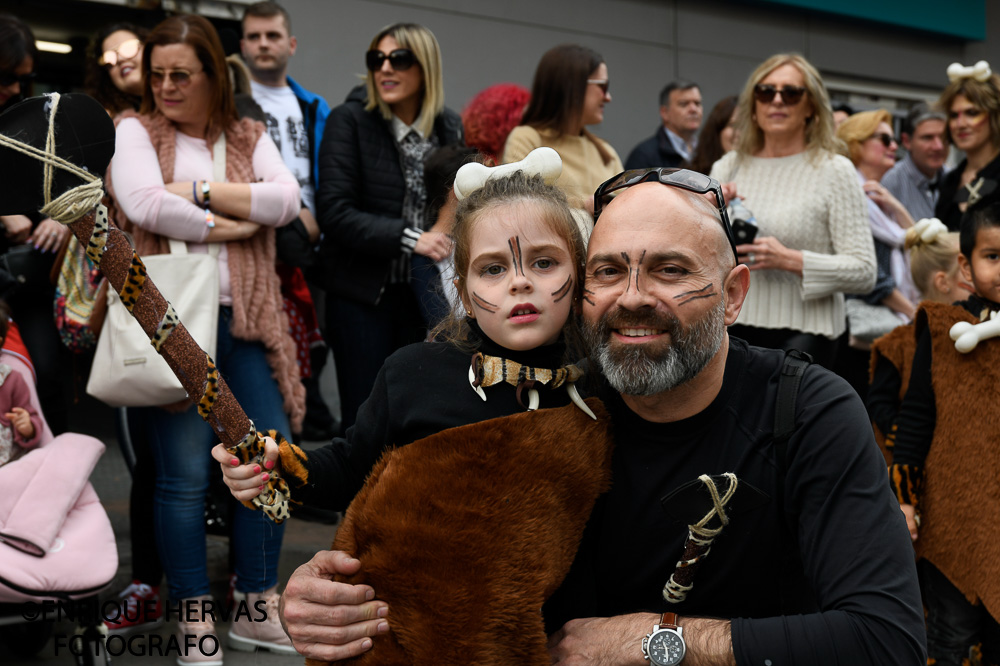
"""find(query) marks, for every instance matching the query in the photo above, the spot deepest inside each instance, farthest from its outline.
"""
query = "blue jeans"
(181, 445)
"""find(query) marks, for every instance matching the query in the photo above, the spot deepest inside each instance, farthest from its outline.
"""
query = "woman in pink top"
(163, 181)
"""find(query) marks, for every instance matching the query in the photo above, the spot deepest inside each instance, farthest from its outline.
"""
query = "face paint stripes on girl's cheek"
(694, 295)
(561, 292)
(515, 254)
(483, 304)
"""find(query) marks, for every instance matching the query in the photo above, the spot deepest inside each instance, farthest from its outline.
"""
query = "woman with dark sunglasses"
(568, 95)
(166, 185)
(872, 147)
(814, 243)
(378, 247)
(18, 57)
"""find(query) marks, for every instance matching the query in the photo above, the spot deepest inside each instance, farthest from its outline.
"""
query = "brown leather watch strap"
(668, 621)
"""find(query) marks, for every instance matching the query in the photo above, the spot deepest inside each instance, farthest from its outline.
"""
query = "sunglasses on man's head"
(179, 77)
(127, 49)
(765, 92)
(685, 179)
(886, 138)
(10, 78)
(400, 60)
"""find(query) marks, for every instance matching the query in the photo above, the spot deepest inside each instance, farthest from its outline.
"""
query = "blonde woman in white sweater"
(813, 243)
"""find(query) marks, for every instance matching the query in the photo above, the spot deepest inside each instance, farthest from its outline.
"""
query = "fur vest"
(256, 288)
(960, 511)
(467, 532)
(897, 347)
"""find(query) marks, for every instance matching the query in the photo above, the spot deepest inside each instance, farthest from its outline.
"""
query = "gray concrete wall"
(645, 43)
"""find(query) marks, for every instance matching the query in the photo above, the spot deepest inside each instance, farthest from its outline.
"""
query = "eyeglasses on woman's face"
(790, 95)
(181, 78)
(400, 59)
(603, 84)
(124, 51)
(10, 78)
(886, 138)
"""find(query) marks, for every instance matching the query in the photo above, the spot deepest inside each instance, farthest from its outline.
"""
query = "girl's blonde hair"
(516, 189)
(819, 128)
(425, 47)
(929, 257)
(860, 127)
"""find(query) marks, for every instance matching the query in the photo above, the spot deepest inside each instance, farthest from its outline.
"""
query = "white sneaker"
(206, 649)
(250, 631)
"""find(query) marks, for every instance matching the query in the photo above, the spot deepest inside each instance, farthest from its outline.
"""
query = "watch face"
(666, 648)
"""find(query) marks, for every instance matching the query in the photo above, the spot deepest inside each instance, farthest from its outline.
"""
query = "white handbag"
(127, 371)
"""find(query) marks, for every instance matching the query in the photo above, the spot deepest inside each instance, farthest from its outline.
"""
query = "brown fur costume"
(960, 503)
(466, 533)
(897, 347)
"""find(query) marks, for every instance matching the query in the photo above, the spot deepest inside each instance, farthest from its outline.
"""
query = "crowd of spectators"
(336, 228)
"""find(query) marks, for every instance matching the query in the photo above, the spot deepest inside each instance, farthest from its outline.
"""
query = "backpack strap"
(792, 371)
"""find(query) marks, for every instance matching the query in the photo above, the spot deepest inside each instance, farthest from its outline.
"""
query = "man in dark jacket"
(674, 142)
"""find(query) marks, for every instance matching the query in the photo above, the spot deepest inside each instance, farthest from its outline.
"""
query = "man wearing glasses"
(813, 562)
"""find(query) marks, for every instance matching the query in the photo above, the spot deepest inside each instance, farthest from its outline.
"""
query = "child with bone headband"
(518, 258)
(933, 258)
(946, 461)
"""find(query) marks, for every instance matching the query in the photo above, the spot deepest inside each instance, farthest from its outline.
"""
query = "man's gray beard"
(639, 370)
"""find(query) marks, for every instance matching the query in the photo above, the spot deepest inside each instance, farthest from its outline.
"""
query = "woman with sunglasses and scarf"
(814, 242)
(164, 183)
(378, 248)
(568, 94)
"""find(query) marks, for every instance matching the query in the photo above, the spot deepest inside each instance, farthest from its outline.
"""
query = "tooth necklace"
(489, 370)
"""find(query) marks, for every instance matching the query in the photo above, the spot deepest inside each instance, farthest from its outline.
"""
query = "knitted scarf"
(256, 288)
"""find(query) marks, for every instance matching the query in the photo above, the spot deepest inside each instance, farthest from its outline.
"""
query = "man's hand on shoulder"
(327, 620)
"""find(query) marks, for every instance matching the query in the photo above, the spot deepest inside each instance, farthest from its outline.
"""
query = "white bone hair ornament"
(980, 71)
(929, 229)
(967, 336)
(543, 161)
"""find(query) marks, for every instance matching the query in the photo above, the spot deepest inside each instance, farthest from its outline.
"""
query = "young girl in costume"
(518, 257)
(946, 461)
(933, 258)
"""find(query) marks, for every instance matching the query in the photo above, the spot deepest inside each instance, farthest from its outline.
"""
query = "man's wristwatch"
(665, 645)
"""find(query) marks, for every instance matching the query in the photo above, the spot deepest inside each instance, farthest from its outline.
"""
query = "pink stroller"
(56, 542)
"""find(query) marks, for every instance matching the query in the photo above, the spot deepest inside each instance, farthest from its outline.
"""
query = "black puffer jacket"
(360, 196)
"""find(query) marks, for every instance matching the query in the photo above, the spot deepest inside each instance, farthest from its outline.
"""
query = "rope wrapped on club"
(111, 252)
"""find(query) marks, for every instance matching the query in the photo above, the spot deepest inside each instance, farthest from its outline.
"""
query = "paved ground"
(112, 481)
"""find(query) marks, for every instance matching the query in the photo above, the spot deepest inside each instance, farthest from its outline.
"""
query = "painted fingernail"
(234, 462)
(256, 469)
(269, 464)
(261, 487)
(383, 627)
(265, 477)
(366, 644)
